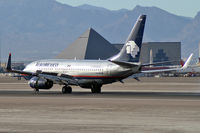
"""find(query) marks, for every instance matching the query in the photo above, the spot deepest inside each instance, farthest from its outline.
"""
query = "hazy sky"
(179, 7)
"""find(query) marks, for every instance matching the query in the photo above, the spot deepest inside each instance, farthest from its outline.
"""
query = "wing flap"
(62, 79)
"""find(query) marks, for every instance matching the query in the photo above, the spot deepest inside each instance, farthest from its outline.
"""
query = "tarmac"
(153, 105)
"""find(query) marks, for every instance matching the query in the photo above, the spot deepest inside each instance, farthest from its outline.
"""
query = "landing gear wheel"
(66, 89)
(96, 89)
(36, 90)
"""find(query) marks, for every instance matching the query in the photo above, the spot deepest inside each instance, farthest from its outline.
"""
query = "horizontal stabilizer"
(125, 64)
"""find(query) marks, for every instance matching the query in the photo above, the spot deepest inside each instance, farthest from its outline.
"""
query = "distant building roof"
(161, 51)
(118, 45)
(90, 45)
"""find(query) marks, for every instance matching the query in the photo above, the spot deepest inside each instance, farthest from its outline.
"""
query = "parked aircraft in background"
(90, 73)
(190, 71)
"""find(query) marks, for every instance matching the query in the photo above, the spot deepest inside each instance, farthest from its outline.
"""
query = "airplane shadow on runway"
(103, 94)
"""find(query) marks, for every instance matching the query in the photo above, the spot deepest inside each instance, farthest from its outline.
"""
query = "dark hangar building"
(91, 45)
(161, 51)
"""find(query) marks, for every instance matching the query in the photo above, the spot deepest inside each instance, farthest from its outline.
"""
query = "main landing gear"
(66, 89)
(96, 88)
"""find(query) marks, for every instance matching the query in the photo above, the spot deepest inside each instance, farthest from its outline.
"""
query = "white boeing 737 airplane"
(90, 73)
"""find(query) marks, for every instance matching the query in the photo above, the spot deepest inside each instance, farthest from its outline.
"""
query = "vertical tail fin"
(8, 67)
(132, 47)
(187, 62)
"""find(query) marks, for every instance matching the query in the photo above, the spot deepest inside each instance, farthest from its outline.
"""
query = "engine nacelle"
(40, 83)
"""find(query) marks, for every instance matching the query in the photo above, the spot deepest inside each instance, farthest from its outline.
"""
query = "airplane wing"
(157, 63)
(172, 69)
(59, 78)
(55, 77)
(125, 64)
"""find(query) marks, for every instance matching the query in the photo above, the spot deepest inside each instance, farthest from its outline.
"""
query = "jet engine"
(40, 83)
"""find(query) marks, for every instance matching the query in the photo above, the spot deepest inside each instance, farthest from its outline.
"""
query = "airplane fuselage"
(86, 72)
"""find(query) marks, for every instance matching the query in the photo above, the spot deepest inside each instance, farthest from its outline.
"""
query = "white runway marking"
(135, 99)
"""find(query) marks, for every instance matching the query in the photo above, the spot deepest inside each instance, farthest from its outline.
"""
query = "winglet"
(187, 61)
(8, 68)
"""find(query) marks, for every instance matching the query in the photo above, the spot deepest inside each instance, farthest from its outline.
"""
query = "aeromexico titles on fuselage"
(46, 64)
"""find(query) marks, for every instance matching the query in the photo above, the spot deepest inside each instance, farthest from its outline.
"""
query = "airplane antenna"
(0, 49)
(199, 52)
(151, 57)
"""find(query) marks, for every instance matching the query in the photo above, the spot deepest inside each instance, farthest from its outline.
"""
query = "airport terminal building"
(91, 45)
(161, 51)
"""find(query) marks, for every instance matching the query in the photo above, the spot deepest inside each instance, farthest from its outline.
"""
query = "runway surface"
(154, 105)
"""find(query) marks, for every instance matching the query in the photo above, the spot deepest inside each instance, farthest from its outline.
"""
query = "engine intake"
(40, 83)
